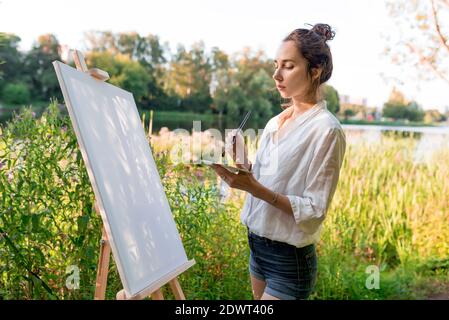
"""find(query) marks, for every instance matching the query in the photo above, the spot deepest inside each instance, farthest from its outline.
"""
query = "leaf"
(82, 223)
(40, 256)
(25, 219)
(35, 219)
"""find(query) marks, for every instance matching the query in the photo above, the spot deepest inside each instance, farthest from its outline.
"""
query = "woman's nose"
(276, 75)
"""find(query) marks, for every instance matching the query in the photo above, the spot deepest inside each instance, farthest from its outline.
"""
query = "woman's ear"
(316, 73)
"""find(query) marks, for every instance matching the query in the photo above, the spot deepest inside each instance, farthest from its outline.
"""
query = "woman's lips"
(280, 87)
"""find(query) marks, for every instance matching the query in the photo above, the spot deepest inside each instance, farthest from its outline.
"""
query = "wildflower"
(10, 176)
(183, 190)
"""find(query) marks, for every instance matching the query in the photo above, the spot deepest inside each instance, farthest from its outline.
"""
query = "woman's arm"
(247, 182)
(274, 198)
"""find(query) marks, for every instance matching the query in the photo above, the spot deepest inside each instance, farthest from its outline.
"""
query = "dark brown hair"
(311, 43)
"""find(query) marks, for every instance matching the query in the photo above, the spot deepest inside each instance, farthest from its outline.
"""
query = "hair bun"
(324, 30)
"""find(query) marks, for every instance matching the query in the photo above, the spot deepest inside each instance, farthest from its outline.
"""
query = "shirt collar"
(274, 126)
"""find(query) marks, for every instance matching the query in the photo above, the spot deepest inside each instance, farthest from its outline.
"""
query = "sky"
(357, 49)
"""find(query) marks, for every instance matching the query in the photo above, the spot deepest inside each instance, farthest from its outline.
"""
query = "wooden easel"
(105, 249)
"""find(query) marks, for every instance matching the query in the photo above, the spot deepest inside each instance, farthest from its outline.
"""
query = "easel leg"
(157, 295)
(177, 290)
(103, 268)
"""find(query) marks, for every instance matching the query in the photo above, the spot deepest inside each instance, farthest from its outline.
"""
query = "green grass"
(191, 116)
(179, 116)
(388, 123)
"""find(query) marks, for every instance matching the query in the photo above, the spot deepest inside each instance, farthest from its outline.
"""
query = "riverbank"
(392, 123)
(185, 119)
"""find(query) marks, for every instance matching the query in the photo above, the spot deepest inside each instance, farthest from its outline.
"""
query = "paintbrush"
(242, 124)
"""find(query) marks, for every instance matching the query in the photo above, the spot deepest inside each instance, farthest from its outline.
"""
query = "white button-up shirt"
(302, 161)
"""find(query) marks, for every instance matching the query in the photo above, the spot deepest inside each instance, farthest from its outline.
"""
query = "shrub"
(16, 93)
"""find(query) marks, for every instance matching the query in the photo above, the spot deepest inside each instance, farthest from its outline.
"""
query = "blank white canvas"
(144, 239)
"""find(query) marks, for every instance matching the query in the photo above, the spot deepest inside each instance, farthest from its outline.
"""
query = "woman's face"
(290, 72)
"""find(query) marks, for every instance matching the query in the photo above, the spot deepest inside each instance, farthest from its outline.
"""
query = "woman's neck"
(301, 105)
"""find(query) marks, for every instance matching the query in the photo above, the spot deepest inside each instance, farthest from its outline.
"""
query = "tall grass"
(387, 211)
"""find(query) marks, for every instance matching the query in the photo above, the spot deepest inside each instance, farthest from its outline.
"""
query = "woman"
(295, 173)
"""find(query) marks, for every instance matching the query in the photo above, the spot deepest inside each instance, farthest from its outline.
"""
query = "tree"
(433, 116)
(38, 70)
(397, 107)
(349, 110)
(394, 110)
(10, 59)
(16, 93)
(220, 77)
(101, 41)
(124, 72)
(415, 112)
(2, 37)
(189, 77)
(348, 113)
(246, 86)
(424, 34)
(397, 96)
(332, 98)
(148, 51)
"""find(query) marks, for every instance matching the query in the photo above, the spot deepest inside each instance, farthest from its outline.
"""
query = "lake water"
(429, 139)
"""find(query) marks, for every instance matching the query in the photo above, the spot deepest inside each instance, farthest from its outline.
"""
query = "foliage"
(10, 58)
(349, 113)
(247, 86)
(147, 51)
(16, 93)
(411, 111)
(332, 98)
(421, 44)
(193, 79)
(38, 69)
(124, 72)
(390, 211)
(46, 215)
(398, 107)
(434, 115)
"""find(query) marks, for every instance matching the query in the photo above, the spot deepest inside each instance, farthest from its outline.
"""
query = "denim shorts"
(289, 272)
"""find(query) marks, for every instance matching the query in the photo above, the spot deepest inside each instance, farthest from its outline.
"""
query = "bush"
(47, 221)
(16, 93)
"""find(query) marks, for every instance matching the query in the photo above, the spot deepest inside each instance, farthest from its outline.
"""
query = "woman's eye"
(289, 67)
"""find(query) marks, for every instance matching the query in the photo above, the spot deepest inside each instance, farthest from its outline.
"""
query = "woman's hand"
(246, 182)
(238, 150)
(243, 180)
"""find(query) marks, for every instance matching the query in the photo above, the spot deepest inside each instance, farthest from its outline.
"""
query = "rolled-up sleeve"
(310, 208)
